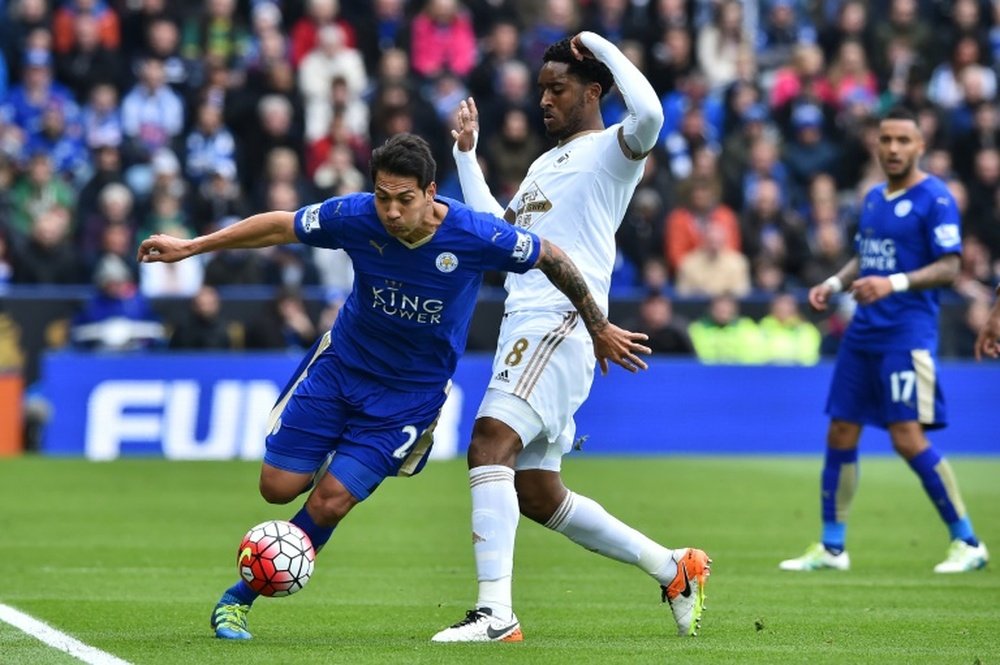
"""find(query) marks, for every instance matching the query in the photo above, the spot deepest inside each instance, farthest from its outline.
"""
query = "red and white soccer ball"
(276, 558)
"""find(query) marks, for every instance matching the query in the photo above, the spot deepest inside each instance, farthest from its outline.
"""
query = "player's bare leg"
(682, 573)
(966, 552)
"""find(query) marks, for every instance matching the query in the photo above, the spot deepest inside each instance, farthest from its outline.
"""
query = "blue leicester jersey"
(903, 232)
(406, 320)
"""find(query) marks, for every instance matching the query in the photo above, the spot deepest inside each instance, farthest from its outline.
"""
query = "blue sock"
(317, 534)
(239, 594)
(930, 467)
(837, 488)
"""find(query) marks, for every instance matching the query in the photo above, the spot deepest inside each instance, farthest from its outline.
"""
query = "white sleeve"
(474, 188)
(645, 114)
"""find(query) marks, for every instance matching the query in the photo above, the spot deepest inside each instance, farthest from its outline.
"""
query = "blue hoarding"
(215, 406)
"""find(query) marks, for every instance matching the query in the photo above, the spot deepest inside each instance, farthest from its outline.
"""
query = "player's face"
(400, 204)
(900, 145)
(563, 100)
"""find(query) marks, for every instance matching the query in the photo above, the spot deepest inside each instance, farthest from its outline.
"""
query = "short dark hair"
(901, 113)
(587, 70)
(405, 155)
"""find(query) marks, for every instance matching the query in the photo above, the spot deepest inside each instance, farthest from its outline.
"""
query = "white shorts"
(542, 373)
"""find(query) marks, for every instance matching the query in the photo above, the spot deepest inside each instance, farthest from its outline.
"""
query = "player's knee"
(493, 442)
(330, 506)
(275, 492)
(843, 435)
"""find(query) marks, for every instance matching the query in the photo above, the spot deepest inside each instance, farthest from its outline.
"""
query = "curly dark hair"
(587, 70)
(405, 155)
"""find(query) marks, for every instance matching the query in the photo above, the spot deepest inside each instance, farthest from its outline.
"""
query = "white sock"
(586, 523)
(494, 522)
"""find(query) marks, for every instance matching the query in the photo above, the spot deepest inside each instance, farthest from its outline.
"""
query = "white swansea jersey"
(574, 196)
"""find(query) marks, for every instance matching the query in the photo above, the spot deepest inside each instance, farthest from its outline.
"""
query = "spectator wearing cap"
(152, 113)
(809, 152)
(208, 143)
(117, 317)
(66, 25)
(88, 61)
(26, 103)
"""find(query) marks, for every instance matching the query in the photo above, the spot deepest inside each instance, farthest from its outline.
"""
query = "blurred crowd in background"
(123, 118)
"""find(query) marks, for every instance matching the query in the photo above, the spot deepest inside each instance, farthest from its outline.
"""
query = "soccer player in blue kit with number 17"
(908, 243)
(372, 387)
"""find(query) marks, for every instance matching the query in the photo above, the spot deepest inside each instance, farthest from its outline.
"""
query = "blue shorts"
(376, 431)
(884, 387)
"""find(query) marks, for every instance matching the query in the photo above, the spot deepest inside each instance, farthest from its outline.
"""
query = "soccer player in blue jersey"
(372, 387)
(908, 245)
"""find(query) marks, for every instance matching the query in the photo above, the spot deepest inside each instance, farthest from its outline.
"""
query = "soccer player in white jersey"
(575, 194)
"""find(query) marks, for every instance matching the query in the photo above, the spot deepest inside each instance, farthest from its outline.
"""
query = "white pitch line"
(56, 639)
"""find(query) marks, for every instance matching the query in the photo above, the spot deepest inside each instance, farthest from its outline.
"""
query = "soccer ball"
(275, 558)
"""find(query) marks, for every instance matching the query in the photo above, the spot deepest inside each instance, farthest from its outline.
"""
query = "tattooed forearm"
(566, 277)
(849, 272)
(940, 273)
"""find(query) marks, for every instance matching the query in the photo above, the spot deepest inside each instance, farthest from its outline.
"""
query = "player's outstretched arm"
(610, 342)
(474, 188)
(942, 272)
(641, 127)
(988, 341)
(263, 230)
(819, 295)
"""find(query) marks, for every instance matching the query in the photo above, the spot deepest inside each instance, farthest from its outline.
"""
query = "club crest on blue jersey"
(903, 208)
(446, 262)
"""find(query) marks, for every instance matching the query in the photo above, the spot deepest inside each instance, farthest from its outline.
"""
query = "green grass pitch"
(130, 557)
